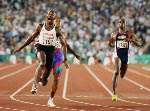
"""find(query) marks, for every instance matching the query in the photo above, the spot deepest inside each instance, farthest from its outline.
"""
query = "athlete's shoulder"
(39, 27)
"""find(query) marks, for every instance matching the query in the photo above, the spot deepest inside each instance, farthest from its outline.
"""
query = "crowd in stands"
(88, 23)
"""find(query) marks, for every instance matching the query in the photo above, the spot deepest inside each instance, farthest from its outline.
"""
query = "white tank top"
(47, 38)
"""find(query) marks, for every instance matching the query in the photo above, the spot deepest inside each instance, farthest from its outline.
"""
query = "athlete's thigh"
(41, 56)
(117, 63)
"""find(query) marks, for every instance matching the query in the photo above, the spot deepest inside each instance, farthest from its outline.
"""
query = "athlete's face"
(122, 24)
(50, 17)
(57, 22)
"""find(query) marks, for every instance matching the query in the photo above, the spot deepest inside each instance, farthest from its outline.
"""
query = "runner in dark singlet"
(121, 38)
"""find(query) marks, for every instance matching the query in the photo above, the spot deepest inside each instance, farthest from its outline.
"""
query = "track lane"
(81, 87)
(106, 77)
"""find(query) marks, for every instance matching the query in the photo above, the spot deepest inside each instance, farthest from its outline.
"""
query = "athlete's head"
(122, 24)
(50, 17)
(57, 22)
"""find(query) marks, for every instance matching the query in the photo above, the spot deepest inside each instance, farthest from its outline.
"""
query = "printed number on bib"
(48, 41)
(58, 45)
(122, 44)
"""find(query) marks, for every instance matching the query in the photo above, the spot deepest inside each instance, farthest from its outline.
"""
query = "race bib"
(50, 41)
(122, 44)
(58, 44)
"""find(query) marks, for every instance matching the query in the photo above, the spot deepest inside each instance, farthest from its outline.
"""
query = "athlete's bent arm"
(135, 40)
(72, 51)
(62, 40)
(69, 48)
(112, 39)
(30, 39)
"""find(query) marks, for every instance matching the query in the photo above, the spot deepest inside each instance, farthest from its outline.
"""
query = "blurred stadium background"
(88, 24)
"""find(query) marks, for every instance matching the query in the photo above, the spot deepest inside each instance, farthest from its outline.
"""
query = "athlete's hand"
(16, 51)
(66, 64)
(36, 44)
(78, 57)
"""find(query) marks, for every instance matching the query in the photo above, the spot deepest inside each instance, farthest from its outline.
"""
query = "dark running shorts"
(49, 52)
(123, 57)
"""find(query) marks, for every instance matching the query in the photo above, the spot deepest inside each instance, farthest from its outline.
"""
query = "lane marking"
(141, 86)
(31, 103)
(65, 90)
(16, 72)
(109, 90)
(138, 73)
(10, 109)
(146, 68)
(5, 67)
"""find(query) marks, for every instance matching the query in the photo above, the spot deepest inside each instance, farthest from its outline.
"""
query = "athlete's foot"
(34, 89)
(50, 103)
(114, 97)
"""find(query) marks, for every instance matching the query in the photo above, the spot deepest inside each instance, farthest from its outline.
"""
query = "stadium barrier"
(134, 59)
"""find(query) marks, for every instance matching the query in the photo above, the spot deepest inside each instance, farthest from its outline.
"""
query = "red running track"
(81, 88)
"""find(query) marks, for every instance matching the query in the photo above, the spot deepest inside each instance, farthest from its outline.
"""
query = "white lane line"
(65, 90)
(15, 109)
(141, 86)
(138, 73)
(146, 68)
(7, 108)
(11, 109)
(16, 72)
(98, 80)
(12, 96)
(109, 90)
(25, 85)
(65, 84)
(5, 67)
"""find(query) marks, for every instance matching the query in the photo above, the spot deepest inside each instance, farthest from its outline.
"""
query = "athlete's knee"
(42, 64)
(116, 72)
(122, 73)
(121, 76)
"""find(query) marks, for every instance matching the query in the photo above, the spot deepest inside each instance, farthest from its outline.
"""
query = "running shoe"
(50, 103)
(114, 97)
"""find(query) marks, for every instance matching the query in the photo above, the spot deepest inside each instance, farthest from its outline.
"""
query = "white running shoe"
(50, 103)
(34, 89)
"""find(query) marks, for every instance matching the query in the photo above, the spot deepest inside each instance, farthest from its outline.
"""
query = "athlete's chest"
(121, 42)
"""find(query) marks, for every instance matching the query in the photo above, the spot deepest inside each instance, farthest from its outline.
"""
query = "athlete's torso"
(47, 38)
(120, 44)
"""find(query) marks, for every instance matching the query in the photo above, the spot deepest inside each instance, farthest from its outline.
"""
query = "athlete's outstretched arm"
(29, 39)
(72, 51)
(62, 40)
(69, 48)
(112, 39)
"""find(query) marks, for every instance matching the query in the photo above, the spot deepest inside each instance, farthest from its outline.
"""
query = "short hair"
(52, 12)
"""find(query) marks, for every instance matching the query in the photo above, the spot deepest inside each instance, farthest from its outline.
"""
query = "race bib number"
(122, 44)
(58, 44)
(47, 41)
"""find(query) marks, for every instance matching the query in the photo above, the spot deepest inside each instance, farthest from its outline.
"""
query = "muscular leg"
(55, 85)
(116, 73)
(123, 69)
(42, 61)
(54, 89)
(46, 74)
